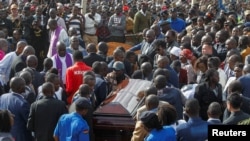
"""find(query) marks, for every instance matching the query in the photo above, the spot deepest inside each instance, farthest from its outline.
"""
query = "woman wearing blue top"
(157, 132)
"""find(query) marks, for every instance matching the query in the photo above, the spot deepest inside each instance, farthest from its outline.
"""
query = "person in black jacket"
(44, 114)
(208, 92)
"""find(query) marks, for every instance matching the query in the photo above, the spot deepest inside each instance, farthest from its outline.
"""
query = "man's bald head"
(52, 24)
(151, 102)
(17, 85)
(20, 47)
(27, 76)
(102, 47)
(84, 90)
(28, 50)
(160, 81)
(246, 69)
(72, 31)
(31, 61)
(48, 89)
(150, 35)
(91, 48)
(206, 39)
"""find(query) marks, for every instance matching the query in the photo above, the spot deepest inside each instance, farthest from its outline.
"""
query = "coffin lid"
(126, 100)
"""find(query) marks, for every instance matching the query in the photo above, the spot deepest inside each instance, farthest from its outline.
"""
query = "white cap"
(175, 51)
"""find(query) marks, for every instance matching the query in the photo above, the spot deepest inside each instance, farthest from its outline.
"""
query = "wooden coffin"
(114, 121)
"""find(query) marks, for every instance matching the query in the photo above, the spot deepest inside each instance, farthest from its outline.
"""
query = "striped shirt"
(75, 23)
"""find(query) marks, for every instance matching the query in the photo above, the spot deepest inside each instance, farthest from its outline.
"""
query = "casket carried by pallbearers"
(114, 120)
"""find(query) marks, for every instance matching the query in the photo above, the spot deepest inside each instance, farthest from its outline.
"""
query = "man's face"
(118, 10)
(75, 43)
(75, 11)
(61, 50)
(207, 50)
(93, 10)
(52, 26)
(229, 45)
(144, 7)
(52, 14)
(39, 11)
(248, 17)
(237, 72)
(168, 37)
(149, 37)
(173, 14)
(218, 37)
(26, 12)
(16, 35)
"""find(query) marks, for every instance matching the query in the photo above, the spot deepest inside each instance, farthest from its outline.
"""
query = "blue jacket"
(195, 129)
(18, 106)
(178, 24)
(165, 134)
(245, 80)
(72, 127)
(173, 97)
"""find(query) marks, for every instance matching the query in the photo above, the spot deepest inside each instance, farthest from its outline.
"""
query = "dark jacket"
(18, 106)
(91, 58)
(43, 117)
(205, 96)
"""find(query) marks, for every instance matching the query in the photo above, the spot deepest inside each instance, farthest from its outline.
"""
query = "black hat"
(82, 103)
(147, 116)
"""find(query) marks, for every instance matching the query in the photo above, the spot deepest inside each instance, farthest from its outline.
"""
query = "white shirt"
(64, 66)
(224, 94)
(90, 23)
(5, 66)
(63, 37)
(60, 22)
(57, 95)
(223, 77)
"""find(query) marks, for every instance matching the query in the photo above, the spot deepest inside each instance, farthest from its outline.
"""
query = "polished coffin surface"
(114, 121)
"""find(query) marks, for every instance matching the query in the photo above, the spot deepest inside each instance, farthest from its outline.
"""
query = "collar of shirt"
(154, 110)
(20, 95)
(143, 12)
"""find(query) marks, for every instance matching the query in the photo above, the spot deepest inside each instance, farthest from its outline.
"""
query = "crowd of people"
(55, 70)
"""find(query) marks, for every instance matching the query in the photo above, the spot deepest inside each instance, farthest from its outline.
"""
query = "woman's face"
(160, 50)
(56, 84)
(215, 78)
(237, 72)
(202, 67)
(173, 57)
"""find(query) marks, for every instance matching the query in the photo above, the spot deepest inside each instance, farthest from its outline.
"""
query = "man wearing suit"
(92, 56)
(214, 113)
(195, 129)
(146, 47)
(101, 85)
(19, 63)
(31, 63)
(16, 104)
(234, 102)
(38, 121)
